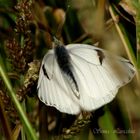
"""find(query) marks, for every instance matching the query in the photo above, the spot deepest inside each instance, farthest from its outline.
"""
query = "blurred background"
(26, 31)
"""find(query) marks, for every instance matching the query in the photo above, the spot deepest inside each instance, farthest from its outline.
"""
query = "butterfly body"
(79, 77)
(64, 62)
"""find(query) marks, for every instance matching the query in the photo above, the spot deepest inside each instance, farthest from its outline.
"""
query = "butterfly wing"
(52, 89)
(99, 74)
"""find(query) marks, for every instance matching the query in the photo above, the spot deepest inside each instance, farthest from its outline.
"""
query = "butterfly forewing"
(98, 78)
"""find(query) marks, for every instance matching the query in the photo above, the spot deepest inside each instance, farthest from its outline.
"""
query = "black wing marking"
(100, 55)
(45, 72)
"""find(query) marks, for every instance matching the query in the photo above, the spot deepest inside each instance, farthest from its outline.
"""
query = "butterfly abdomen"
(64, 62)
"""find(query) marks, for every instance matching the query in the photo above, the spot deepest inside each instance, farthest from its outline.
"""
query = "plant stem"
(25, 121)
(124, 40)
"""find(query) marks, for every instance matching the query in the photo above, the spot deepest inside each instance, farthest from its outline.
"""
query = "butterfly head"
(56, 42)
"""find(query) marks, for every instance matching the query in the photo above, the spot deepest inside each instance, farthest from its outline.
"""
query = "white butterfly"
(79, 77)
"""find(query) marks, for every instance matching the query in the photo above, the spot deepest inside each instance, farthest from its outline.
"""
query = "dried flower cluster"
(77, 127)
(20, 47)
(15, 53)
(8, 106)
(20, 51)
(24, 16)
(30, 80)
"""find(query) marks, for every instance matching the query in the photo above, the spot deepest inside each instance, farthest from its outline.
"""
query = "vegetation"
(26, 30)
